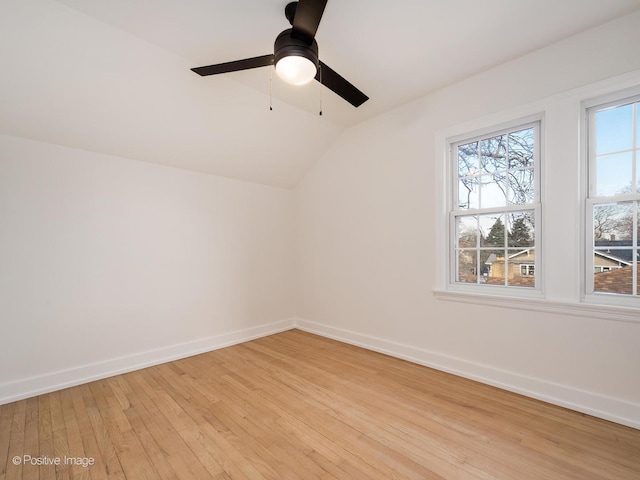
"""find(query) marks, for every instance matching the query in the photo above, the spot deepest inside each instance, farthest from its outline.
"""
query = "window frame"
(590, 198)
(537, 123)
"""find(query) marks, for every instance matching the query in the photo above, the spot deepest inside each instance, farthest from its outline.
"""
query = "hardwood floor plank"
(97, 471)
(6, 419)
(255, 429)
(234, 444)
(74, 438)
(45, 437)
(31, 438)
(131, 454)
(299, 406)
(107, 462)
(162, 442)
(16, 442)
(159, 458)
(59, 430)
(202, 438)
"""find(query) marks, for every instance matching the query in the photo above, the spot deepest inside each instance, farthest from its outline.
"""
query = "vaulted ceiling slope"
(113, 77)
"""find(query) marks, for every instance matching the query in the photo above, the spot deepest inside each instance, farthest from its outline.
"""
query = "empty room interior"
(324, 239)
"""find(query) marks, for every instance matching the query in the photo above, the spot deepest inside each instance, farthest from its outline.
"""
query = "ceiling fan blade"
(335, 82)
(234, 66)
(307, 19)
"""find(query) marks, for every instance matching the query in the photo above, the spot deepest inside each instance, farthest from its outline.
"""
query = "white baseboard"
(602, 406)
(608, 408)
(50, 382)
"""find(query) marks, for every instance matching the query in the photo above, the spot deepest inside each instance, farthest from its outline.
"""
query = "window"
(580, 255)
(613, 203)
(495, 185)
(527, 270)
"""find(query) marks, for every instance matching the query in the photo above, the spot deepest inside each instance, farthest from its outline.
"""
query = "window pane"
(521, 186)
(467, 266)
(612, 271)
(493, 190)
(468, 159)
(521, 267)
(613, 174)
(522, 229)
(613, 224)
(521, 148)
(493, 154)
(468, 193)
(493, 232)
(494, 174)
(614, 129)
(467, 231)
(492, 266)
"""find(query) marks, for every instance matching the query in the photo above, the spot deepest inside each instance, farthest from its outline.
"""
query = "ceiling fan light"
(296, 70)
(296, 60)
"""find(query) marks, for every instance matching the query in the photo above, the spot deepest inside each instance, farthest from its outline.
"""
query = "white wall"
(370, 224)
(107, 264)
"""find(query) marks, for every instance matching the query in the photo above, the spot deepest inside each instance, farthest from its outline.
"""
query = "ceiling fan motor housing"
(286, 45)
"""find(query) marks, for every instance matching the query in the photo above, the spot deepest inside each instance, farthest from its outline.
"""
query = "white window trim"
(588, 201)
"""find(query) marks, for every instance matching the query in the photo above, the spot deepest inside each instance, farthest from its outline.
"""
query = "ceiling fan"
(295, 54)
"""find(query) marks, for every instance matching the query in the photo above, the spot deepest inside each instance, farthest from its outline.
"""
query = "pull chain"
(270, 89)
(320, 68)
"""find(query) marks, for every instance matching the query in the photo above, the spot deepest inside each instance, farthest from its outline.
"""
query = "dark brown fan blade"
(335, 82)
(307, 19)
(245, 64)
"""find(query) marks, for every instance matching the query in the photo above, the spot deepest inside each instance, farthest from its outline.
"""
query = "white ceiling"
(113, 77)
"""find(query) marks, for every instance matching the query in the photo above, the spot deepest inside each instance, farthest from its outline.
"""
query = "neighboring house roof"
(613, 243)
(527, 281)
(618, 250)
(492, 258)
(528, 254)
(616, 255)
(619, 280)
(517, 281)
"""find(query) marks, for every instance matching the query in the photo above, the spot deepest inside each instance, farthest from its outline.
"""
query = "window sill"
(538, 304)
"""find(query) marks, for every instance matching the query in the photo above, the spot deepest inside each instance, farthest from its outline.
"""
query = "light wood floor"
(299, 406)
